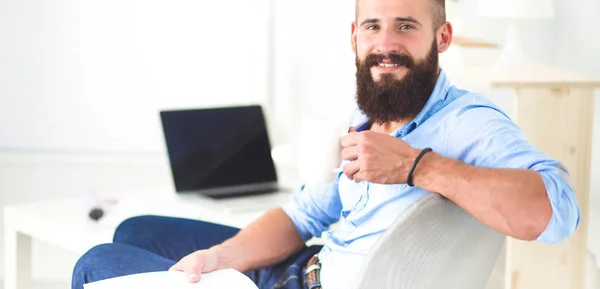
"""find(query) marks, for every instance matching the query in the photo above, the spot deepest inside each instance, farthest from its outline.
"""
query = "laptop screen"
(215, 148)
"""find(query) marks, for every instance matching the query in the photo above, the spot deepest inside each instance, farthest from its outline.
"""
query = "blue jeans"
(152, 243)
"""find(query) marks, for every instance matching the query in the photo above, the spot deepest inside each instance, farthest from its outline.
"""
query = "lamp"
(515, 11)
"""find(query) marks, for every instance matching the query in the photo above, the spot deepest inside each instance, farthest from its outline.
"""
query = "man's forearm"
(267, 241)
(512, 201)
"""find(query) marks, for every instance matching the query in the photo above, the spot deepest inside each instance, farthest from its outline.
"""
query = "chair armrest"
(433, 244)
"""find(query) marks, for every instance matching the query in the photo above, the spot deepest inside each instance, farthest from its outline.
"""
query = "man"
(458, 143)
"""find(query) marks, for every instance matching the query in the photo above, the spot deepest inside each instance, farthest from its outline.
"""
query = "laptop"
(222, 153)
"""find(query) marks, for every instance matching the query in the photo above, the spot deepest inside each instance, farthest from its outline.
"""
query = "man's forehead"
(392, 8)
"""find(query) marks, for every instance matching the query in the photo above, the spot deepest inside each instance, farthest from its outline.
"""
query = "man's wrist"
(426, 170)
(224, 259)
(415, 163)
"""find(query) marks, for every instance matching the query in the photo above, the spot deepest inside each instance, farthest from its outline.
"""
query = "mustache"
(400, 59)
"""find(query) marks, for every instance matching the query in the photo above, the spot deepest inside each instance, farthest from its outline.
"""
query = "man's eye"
(406, 27)
(372, 27)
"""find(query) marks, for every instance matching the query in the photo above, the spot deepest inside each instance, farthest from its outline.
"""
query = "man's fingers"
(176, 267)
(351, 139)
(359, 177)
(194, 272)
(351, 169)
(350, 153)
(193, 278)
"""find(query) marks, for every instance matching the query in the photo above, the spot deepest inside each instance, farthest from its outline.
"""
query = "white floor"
(45, 285)
(51, 285)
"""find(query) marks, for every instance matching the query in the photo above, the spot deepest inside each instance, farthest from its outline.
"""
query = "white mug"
(319, 148)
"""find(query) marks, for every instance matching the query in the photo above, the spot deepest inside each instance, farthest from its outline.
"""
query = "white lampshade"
(517, 9)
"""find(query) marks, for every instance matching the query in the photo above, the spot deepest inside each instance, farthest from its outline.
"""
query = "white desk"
(65, 223)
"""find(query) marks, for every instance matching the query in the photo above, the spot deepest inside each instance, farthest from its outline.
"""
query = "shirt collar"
(434, 104)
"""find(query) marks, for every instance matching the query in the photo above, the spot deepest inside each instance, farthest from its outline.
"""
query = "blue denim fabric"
(152, 243)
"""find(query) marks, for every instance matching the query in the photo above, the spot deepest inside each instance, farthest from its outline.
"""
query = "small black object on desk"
(96, 214)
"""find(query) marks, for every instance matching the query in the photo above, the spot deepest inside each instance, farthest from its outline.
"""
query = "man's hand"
(377, 157)
(202, 261)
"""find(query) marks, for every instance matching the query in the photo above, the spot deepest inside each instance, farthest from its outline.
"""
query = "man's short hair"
(438, 12)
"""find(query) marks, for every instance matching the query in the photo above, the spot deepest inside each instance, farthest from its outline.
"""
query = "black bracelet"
(414, 165)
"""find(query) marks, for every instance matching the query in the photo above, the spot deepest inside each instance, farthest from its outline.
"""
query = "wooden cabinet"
(555, 110)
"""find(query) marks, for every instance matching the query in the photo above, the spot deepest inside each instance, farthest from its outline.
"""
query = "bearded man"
(458, 143)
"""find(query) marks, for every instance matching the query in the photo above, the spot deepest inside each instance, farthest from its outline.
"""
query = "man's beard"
(392, 99)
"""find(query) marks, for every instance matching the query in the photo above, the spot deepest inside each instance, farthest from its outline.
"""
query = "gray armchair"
(434, 244)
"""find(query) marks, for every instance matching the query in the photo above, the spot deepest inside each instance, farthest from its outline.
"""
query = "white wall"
(537, 36)
(577, 47)
(92, 75)
(314, 63)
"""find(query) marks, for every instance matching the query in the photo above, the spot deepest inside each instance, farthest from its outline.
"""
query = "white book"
(220, 279)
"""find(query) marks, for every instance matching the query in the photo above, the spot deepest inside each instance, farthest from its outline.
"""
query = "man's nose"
(387, 43)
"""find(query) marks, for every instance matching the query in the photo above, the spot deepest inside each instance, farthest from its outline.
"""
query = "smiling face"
(396, 43)
(402, 27)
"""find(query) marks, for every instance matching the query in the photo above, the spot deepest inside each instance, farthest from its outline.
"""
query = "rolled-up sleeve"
(313, 208)
(485, 137)
(565, 210)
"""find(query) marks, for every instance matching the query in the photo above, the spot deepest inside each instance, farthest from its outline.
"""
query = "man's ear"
(353, 40)
(444, 37)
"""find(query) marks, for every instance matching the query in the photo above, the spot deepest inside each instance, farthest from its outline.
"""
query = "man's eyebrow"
(408, 19)
(369, 21)
(398, 19)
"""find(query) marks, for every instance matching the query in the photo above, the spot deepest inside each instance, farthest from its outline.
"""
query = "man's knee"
(94, 260)
(93, 255)
(137, 229)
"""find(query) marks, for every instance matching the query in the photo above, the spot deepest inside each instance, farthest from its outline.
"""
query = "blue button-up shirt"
(455, 123)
